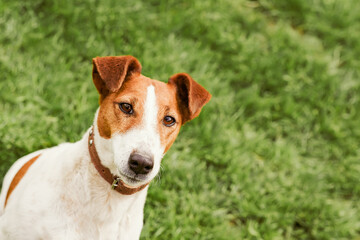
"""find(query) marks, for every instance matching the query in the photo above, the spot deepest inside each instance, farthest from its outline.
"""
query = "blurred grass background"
(274, 155)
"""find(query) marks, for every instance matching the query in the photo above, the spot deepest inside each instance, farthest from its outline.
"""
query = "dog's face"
(140, 118)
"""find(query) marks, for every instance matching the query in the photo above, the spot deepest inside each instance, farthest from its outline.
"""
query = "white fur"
(62, 196)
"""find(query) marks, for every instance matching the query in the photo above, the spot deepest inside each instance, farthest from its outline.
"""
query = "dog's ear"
(191, 96)
(109, 73)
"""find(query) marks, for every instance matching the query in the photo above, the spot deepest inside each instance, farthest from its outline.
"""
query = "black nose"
(140, 164)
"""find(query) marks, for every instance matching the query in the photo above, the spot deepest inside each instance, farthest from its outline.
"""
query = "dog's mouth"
(131, 182)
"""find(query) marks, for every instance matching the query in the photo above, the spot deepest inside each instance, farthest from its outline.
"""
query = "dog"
(96, 188)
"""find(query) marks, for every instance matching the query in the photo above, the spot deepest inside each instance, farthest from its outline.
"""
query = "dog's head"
(139, 118)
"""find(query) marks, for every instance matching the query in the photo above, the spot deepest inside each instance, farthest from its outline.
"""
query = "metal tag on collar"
(115, 183)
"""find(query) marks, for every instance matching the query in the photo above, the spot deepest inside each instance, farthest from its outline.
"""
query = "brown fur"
(110, 72)
(19, 175)
(191, 96)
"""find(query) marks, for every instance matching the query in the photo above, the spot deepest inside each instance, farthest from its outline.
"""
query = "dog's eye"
(126, 108)
(168, 121)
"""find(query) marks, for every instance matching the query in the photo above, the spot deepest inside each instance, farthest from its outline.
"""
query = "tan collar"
(115, 182)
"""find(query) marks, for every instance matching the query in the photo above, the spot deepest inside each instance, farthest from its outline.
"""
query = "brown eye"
(126, 108)
(168, 121)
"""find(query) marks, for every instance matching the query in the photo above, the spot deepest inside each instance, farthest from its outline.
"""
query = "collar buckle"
(115, 183)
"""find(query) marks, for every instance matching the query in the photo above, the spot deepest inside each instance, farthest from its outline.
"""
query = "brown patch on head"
(167, 106)
(181, 98)
(111, 119)
(118, 80)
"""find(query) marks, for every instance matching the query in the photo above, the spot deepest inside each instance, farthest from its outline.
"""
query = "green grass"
(274, 155)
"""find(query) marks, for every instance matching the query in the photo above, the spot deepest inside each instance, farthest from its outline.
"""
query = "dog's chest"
(105, 221)
(122, 218)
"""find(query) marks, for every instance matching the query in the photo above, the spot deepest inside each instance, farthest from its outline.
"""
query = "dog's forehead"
(138, 86)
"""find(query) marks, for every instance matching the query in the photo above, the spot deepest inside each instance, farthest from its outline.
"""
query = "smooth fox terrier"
(96, 188)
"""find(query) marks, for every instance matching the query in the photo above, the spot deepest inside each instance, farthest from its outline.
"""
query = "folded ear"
(109, 73)
(191, 96)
